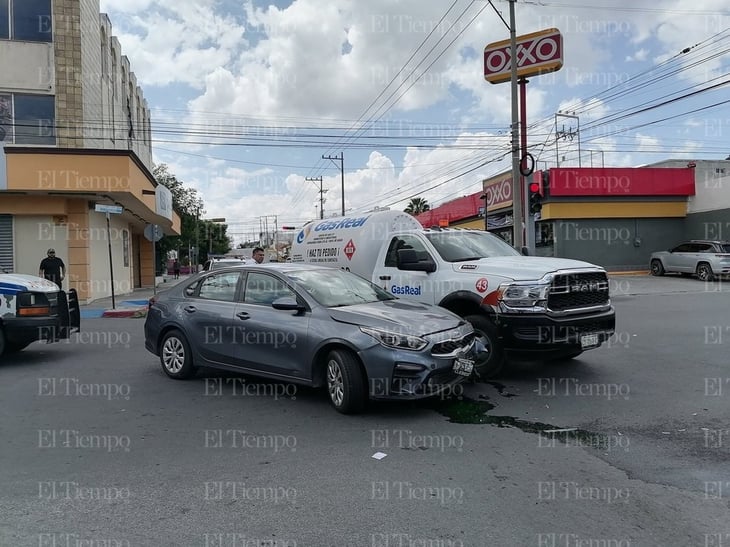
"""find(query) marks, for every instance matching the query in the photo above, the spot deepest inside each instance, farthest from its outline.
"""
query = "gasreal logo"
(406, 290)
(344, 223)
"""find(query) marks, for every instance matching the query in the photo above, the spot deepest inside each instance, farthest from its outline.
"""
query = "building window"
(27, 119)
(28, 20)
(6, 117)
(4, 19)
(125, 247)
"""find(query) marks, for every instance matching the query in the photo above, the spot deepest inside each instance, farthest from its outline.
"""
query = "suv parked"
(703, 258)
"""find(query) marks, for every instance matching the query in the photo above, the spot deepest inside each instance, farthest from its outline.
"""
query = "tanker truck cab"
(522, 307)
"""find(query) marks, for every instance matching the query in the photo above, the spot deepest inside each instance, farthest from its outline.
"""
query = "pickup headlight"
(523, 296)
(396, 340)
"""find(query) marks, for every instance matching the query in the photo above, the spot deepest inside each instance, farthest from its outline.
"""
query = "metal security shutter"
(6, 243)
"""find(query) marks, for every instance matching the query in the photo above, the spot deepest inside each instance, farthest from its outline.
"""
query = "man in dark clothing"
(176, 269)
(52, 268)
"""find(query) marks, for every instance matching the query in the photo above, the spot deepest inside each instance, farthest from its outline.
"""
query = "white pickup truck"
(33, 308)
(522, 307)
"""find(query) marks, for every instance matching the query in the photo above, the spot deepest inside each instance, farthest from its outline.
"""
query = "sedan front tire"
(345, 382)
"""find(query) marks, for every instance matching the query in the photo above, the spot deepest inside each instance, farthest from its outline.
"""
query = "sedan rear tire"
(345, 382)
(175, 356)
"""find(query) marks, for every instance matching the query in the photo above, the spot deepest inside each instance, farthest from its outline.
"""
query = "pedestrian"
(52, 268)
(258, 255)
(176, 268)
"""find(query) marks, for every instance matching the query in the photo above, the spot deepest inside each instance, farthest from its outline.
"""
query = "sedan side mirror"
(287, 303)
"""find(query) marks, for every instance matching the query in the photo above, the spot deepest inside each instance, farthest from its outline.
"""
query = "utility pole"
(276, 237)
(341, 157)
(321, 194)
(517, 205)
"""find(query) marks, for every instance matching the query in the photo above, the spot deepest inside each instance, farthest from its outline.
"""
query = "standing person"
(258, 255)
(52, 268)
(176, 269)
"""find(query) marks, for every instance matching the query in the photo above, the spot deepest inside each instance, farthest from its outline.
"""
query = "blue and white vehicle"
(33, 309)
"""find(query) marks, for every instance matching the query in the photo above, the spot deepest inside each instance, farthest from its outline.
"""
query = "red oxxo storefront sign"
(622, 181)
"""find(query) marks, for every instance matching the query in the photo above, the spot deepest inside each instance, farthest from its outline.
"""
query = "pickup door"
(419, 286)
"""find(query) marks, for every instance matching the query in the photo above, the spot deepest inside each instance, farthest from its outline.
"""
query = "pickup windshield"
(463, 246)
(334, 288)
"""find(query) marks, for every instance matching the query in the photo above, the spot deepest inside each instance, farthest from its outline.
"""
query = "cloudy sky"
(247, 97)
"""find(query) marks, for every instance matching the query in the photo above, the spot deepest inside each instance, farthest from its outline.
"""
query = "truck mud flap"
(69, 313)
(74, 311)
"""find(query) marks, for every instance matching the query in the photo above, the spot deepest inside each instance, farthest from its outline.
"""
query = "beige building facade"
(75, 133)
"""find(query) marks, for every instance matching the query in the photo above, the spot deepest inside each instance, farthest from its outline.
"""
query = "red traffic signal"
(288, 227)
(535, 196)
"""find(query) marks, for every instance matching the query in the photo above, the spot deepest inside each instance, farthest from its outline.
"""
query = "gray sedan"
(311, 326)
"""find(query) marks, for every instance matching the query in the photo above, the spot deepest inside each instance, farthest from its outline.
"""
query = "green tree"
(417, 206)
(194, 231)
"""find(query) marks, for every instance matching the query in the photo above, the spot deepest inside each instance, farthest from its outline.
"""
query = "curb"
(634, 272)
(126, 312)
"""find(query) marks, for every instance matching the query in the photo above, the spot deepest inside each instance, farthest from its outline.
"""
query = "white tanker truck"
(522, 307)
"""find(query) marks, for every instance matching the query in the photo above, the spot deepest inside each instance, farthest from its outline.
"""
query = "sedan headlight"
(396, 340)
(523, 296)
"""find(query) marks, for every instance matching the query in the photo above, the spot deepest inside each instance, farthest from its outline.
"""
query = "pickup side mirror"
(408, 261)
(287, 303)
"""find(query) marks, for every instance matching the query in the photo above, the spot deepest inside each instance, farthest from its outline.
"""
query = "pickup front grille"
(578, 290)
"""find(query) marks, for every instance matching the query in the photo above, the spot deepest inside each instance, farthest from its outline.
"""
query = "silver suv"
(703, 258)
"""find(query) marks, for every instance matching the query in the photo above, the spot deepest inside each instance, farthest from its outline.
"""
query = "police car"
(33, 309)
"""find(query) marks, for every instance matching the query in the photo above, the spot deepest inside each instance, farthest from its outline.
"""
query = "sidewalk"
(128, 305)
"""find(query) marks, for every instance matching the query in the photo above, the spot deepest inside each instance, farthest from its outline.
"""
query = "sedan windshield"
(332, 288)
(463, 246)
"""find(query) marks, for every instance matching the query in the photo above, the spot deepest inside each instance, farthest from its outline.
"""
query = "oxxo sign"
(537, 53)
(499, 193)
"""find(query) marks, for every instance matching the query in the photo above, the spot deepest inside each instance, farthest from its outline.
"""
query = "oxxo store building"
(614, 217)
(48, 198)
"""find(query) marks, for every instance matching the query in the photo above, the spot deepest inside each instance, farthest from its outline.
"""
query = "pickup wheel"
(489, 363)
(656, 267)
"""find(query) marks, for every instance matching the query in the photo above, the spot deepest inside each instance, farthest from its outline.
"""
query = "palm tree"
(417, 206)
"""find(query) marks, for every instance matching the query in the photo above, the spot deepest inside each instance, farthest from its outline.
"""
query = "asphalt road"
(627, 445)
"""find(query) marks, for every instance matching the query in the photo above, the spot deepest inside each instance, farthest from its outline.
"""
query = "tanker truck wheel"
(490, 362)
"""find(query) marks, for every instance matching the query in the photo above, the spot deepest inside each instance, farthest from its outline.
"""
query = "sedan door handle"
(243, 315)
(190, 309)
(385, 278)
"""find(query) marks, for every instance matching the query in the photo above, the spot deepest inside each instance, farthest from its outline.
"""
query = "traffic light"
(537, 190)
(288, 227)
(535, 193)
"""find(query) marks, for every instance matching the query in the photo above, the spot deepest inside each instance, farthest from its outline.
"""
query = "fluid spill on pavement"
(467, 411)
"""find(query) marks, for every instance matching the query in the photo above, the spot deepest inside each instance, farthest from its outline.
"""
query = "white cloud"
(315, 64)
